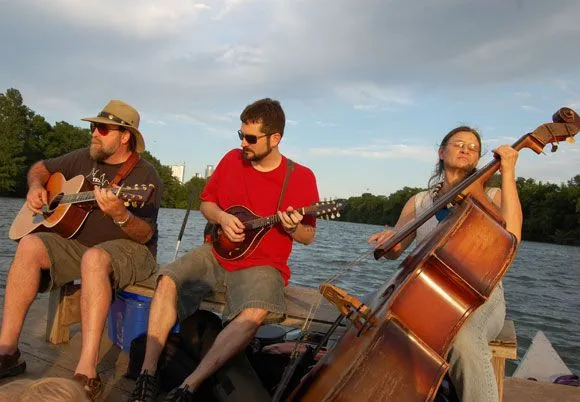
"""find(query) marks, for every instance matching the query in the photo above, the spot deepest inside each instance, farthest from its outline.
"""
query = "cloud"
(393, 151)
(529, 108)
(175, 53)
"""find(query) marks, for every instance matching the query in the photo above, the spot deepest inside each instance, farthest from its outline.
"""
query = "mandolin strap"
(289, 168)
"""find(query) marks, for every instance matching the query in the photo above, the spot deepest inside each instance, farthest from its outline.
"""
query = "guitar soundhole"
(54, 203)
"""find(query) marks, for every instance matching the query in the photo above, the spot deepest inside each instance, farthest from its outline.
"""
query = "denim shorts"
(198, 275)
(130, 261)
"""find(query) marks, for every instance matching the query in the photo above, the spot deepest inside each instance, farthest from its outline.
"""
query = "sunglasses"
(466, 145)
(103, 129)
(251, 138)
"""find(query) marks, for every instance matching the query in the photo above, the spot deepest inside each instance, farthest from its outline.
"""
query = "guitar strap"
(289, 168)
(126, 168)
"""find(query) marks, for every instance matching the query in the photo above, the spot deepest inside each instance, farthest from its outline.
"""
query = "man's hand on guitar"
(231, 226)
(290, 219)
(110, 204)
(36, 198)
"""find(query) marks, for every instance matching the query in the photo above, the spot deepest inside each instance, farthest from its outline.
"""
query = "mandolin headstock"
(327, 209)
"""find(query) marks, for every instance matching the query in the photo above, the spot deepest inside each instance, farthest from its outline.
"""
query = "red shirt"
(236, 182)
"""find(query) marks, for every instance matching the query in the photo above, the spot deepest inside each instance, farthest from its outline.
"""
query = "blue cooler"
(128, 318)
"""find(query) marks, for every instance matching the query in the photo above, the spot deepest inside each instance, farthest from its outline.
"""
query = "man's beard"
(98, 153)
(254, 157)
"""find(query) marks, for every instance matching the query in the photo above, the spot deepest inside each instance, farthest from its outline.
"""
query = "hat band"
(113, 118)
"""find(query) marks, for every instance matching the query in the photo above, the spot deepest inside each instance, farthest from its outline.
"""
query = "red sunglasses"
(103, 130)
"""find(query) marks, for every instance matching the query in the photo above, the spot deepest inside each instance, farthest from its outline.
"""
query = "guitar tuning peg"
(127, 203)
(332, 216)
(134, 204)
(136, 187)
(151, 185)
(338, 214)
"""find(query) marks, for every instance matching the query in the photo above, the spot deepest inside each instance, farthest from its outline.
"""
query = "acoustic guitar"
(69, 204)
(256, 227)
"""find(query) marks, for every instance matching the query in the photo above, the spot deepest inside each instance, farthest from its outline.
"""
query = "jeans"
(471, 370)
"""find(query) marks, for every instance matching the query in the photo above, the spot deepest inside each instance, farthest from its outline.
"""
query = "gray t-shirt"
(99, 227)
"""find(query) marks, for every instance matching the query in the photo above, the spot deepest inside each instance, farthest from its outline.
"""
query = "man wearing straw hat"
(114, 247)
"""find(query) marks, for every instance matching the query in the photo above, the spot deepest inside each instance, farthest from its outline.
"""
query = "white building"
(208, 171)
(178, 171)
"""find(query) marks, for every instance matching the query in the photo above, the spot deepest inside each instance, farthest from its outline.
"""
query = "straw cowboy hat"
(120, 113)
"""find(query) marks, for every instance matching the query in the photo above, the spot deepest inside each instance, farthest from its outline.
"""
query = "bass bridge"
(349, 306)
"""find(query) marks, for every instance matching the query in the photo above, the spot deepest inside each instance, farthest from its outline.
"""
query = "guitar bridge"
(349, 306)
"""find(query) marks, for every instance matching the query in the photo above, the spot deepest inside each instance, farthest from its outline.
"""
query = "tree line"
(551, 211)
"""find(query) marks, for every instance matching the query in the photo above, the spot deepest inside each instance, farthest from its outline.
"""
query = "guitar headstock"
(566, 124)
(327, 209)
(137, 195)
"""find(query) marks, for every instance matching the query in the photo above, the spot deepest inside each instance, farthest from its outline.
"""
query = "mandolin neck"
(274, 219)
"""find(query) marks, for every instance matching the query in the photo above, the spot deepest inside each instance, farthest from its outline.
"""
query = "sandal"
(92, 386)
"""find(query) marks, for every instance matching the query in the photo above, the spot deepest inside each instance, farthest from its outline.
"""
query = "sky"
(369, 87)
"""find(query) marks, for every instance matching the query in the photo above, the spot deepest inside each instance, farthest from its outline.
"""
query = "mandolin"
(256, 227)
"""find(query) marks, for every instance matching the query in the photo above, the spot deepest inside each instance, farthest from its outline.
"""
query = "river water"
(541, 286)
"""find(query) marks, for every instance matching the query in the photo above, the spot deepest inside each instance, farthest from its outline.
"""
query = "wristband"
(124, 221)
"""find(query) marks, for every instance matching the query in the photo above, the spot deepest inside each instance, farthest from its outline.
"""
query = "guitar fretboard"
(81, 197)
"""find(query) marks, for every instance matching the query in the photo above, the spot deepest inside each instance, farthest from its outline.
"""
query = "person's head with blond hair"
(50, 389)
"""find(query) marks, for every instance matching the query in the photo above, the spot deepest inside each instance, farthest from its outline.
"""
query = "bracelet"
(124, 221)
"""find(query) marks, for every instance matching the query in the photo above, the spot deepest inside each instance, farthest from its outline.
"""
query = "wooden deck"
(44, 360)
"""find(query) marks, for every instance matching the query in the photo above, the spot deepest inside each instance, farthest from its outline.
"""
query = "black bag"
(182, 352)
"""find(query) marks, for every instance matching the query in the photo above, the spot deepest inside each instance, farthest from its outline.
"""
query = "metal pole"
(193, 194)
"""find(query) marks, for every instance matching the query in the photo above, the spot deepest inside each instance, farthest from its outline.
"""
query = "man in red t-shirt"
(251, 177)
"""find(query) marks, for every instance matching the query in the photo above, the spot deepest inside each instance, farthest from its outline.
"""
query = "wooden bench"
(505, 346)
(64, 310)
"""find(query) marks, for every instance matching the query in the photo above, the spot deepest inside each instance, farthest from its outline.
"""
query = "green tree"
(14, 118)
(63, 138)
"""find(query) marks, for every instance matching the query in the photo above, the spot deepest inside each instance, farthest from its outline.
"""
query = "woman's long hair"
(437, 177)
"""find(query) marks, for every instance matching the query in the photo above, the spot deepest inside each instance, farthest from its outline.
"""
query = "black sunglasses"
(251, 138)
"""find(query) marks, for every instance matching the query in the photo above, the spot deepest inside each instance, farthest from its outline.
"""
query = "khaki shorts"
(131, 262)
(198, 274)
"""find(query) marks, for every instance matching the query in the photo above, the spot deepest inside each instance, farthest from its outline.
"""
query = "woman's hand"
(508, 158)
(380, 238)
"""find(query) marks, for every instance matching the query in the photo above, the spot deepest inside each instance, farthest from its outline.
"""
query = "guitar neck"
(84, 196)
(274, 219)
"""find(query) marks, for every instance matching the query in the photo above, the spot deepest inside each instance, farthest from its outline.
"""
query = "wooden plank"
(519, 390)
(299, 303)
(44, 360)
(63, 310)
(507, 335)
(505, 345)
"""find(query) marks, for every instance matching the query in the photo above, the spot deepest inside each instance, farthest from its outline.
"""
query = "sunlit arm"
(138, 229)
(304, 234)
(211, 211)
(511, 208)
(38, 175)
(407, 215)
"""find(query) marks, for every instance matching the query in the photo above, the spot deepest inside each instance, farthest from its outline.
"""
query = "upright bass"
(396, 347)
